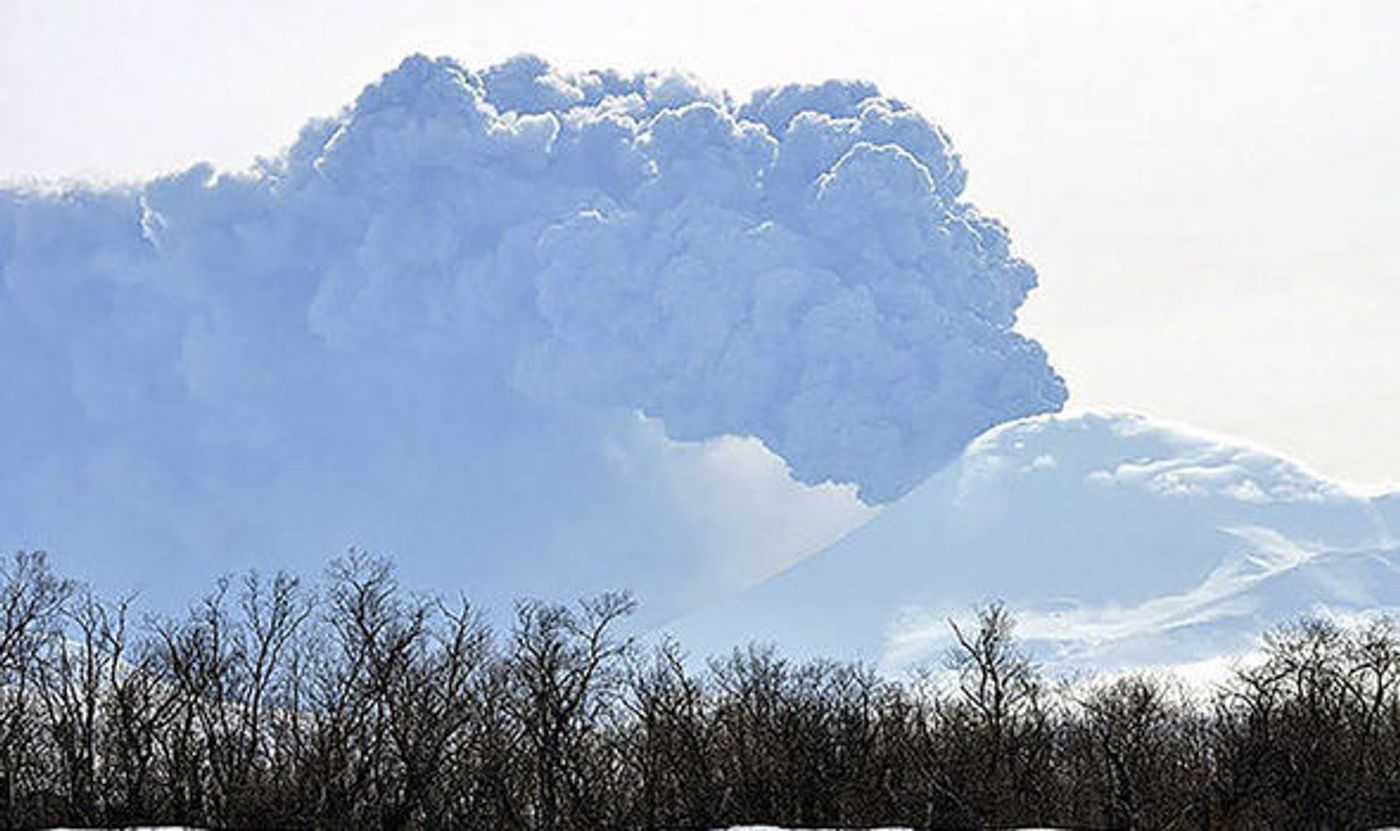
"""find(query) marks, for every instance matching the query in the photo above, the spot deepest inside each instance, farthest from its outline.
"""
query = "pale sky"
(1209, 190)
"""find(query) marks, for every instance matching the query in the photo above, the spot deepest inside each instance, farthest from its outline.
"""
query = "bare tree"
(567, 673)
(31, 603)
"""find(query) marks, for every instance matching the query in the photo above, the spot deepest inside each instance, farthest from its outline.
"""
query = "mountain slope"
(1118, 540)
(1389, 508)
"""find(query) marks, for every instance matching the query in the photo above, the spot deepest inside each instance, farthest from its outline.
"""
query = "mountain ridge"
(1119, 540)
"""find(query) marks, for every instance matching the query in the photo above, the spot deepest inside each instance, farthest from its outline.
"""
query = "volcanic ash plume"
(444, 282)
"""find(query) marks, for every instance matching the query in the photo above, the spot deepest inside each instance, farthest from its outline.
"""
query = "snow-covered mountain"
(1389, 507)
(1118, 541)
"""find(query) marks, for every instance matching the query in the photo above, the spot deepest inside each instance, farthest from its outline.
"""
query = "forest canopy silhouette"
(273, 702)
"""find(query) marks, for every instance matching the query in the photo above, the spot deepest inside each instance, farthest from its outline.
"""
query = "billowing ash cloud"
(460, 255)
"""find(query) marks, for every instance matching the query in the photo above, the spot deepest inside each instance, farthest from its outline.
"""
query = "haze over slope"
(428, 326)
(1117, 540)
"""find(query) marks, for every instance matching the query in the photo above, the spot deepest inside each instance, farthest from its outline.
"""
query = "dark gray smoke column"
(462, 257)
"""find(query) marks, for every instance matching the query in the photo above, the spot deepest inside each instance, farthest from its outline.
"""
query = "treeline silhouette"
(356, 704)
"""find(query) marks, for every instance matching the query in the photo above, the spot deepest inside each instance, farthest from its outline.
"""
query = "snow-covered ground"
(777, 828)
(1118, 540)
